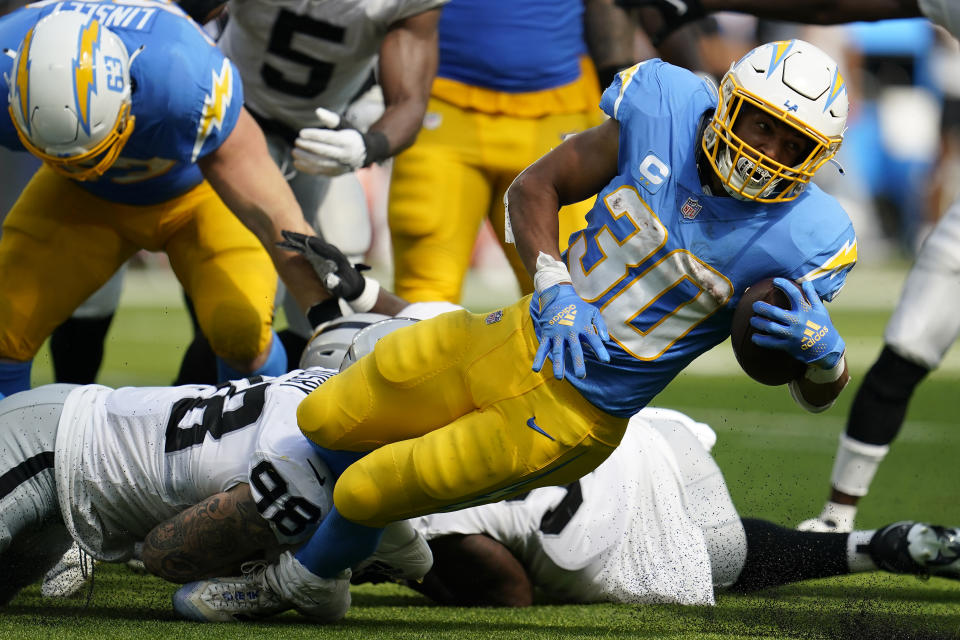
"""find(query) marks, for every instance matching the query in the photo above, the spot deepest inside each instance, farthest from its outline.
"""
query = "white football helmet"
(69, 95)
(331, 341)
(796, 83)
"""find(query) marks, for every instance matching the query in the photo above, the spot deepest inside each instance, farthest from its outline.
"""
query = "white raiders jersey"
(297, 55)
(621, 533)
(130, 458)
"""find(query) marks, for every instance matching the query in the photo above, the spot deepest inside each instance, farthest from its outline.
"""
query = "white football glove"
(330, 150)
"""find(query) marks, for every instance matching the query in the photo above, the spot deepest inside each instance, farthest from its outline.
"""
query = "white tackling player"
(110, 468)
(620, 534)
(653, 524)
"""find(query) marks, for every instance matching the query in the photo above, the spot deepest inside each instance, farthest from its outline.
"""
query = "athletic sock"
(858, 557)
(14, 377)
(338, 544)
(276, 364)
(776, 556)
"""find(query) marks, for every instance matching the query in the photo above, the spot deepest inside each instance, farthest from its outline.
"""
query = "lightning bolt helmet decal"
(70, 58)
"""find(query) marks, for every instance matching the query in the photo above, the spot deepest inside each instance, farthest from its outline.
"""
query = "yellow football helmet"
(796, 83)
(69, 95)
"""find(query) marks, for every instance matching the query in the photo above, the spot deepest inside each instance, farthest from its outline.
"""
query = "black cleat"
(917, 548)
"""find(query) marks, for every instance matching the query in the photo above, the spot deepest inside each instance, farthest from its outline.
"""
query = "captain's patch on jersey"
(653, 172)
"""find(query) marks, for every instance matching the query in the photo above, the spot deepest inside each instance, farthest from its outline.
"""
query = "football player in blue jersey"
(140, 123)
(699, 196)
(919, 332)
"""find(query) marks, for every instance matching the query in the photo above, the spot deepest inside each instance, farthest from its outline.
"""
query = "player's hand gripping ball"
(768, 366)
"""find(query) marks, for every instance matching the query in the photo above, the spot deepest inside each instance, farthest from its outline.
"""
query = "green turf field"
(777, 461)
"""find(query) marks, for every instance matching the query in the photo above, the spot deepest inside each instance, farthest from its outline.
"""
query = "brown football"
(767, 366)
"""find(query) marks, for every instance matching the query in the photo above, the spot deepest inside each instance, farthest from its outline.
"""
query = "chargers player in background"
(653, 524)
(298, 96)
(699, 197)
(138, 161)
(508, 90)
(919, 332)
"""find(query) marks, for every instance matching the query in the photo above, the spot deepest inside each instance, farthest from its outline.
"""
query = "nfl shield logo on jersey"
(690, 208)
(494, 317)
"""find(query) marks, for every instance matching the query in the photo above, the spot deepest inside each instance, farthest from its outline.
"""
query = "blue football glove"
(565, 320)
(805, 331)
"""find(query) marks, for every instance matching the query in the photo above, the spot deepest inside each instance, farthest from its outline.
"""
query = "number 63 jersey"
(130, 458)
(664, 260)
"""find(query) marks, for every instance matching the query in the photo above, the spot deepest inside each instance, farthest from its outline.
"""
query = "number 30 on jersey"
(650, 296)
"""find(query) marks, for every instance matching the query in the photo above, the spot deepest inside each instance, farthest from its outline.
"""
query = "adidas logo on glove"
(565, 316)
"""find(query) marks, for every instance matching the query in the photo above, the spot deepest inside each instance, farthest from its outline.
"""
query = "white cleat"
(233, 599)
(71, 574)
(403, 554)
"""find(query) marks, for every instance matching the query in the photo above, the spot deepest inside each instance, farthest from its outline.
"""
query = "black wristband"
(324, 312)
(378, 147)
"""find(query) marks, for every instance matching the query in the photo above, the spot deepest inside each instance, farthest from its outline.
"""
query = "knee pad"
(236, 333)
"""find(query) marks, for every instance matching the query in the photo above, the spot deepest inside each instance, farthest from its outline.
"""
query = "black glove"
(675, 14)
(339, 277)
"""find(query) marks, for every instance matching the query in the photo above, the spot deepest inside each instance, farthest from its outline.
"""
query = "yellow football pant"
(455, 416)
(453, 177)
(61, 243)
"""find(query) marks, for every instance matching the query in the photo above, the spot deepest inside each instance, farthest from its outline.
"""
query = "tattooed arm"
(211, 538)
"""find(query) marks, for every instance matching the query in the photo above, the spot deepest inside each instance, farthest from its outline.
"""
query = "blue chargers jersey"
(186, 99)
(510, 46)
(665, 263)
